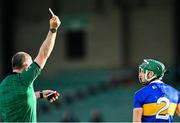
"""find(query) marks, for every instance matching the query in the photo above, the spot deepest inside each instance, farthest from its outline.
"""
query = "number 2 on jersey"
(167, 104)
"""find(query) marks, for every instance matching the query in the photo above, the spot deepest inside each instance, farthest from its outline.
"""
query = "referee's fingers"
(51, 100)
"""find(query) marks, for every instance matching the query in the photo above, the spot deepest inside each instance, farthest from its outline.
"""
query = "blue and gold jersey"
(158, 101)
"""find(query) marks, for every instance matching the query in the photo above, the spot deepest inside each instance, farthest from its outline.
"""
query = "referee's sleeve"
(29, 75)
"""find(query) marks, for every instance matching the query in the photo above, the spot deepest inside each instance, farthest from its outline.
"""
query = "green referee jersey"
(17, 96)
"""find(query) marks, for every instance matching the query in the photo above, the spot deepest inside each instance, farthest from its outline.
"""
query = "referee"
(17, 95)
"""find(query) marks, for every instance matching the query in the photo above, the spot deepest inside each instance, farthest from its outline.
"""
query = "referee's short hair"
(19, 59)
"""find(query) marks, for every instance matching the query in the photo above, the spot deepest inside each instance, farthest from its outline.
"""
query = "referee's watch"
(41, 94)
(53, 30)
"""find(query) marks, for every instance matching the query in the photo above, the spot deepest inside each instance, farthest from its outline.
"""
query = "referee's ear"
(25, 66)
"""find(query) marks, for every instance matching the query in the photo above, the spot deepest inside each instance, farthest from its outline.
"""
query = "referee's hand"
(54, 22)
(50, 95)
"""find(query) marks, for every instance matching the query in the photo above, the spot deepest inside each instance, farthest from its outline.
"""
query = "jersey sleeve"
(138, 100)
(29, 75)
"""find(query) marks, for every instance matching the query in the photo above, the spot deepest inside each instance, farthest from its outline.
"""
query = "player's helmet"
(153, 65)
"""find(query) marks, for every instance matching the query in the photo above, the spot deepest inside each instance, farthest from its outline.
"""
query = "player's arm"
(137, 115)
(178, 110)
(178, 107)
(48, 44)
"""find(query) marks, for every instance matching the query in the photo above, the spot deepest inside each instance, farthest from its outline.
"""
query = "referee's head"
(21, 61)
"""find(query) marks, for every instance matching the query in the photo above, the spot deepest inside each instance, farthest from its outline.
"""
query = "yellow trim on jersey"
(152, 109)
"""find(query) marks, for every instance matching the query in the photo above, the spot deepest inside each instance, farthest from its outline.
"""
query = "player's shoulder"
(171, 87)
(142, 90)
(145, 90)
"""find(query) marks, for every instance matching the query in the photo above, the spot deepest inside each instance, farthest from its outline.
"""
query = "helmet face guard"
(155, 66)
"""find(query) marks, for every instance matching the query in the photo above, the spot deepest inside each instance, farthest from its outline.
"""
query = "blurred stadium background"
(99, 46)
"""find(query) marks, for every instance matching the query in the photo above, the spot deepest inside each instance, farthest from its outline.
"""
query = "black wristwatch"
(41, 94)
(53, 30)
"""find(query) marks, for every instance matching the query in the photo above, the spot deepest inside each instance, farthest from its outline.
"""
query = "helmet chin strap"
(146, 76)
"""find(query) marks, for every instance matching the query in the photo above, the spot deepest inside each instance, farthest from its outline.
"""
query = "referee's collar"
(14, 73)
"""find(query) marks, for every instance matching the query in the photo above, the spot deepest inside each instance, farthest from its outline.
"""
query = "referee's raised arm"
(48, 44)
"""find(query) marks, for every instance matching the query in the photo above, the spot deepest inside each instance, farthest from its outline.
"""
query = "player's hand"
(50, 95)
(54, 22)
